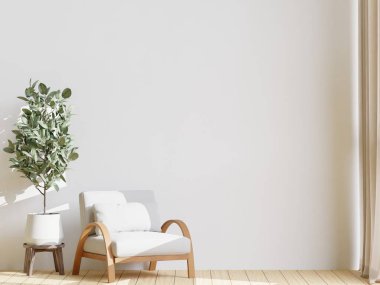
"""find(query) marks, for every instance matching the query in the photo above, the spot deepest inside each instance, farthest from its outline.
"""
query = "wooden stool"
(30, 251)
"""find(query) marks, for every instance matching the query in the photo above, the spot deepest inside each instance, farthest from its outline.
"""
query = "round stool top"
(45, 246)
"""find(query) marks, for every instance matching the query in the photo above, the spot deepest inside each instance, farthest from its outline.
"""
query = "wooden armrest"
(106, 236)
(181, 224)
(102, 227)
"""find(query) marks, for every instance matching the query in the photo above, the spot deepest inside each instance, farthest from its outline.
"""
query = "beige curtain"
(370, 130)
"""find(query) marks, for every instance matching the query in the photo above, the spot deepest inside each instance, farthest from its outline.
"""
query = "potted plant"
(42, 151)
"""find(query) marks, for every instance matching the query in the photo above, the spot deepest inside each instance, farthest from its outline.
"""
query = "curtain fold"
(370, 137)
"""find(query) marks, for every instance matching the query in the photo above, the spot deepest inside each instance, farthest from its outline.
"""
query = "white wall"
(241, 115)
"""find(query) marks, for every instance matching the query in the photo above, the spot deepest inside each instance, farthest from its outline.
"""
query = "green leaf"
(26, 111)
(34, 83)
(8, 150)
(34, 154)
(63, 178)
(35, 122)
(54, 93)
(56, 187)
(73, 156)
(61, 141)
(51, 95)
(23, 98)
(42, 124)
(16, 132)
(11, 145)
(42, 88)
(66, 93)
(28, 92)
(27, 154)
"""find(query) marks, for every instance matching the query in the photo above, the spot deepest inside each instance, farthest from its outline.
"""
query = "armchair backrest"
(145, 197)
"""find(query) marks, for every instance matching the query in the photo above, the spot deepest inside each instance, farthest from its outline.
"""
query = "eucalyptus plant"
(43, 146)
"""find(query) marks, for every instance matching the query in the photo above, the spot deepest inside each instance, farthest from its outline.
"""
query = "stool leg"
(55, 256)
(60, 261)
(26, 261)
(32, 257)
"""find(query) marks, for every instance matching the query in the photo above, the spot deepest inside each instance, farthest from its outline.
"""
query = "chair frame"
(112, 260)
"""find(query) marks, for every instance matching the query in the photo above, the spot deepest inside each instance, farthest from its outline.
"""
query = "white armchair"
(113, 246)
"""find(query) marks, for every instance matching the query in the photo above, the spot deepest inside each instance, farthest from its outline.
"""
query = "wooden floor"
(203, 277)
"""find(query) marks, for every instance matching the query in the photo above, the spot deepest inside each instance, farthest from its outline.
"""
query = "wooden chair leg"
(190, 266)
(152, 265)
(32, 257)
(77, 260)
(111, 272)
(110, 261)
(55, 257)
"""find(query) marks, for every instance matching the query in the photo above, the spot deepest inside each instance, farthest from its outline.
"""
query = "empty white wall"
(241, 115)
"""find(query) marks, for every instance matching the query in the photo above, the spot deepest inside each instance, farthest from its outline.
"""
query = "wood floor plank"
(275, 276)
(203, 277)
(181, 273)
(55, 278)
(256, 277)
(311, 277)
(165, 277)
(358, 275)
(92, 277)
(182, 279)
(147, 277)
(104, 279)
(220, 277)
(38, 277)
(238, 277)
(129, 277)
(74, 279)
(348, 278)
(17, 277)
(329, 277)
(5, 275)
(293, 277)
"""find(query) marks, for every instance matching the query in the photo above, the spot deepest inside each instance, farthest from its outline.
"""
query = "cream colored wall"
(241, 115)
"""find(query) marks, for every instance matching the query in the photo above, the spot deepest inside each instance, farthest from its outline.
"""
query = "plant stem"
(45, 201)
(39, 190)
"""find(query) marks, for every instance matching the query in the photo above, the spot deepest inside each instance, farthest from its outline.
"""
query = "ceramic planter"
(44, 229)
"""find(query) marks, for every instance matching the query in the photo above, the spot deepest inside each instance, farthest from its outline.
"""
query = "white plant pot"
(44, 229)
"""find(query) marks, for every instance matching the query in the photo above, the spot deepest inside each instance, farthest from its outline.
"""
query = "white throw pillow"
(122, 217)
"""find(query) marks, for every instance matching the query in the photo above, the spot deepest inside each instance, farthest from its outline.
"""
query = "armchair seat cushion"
(125, 244)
